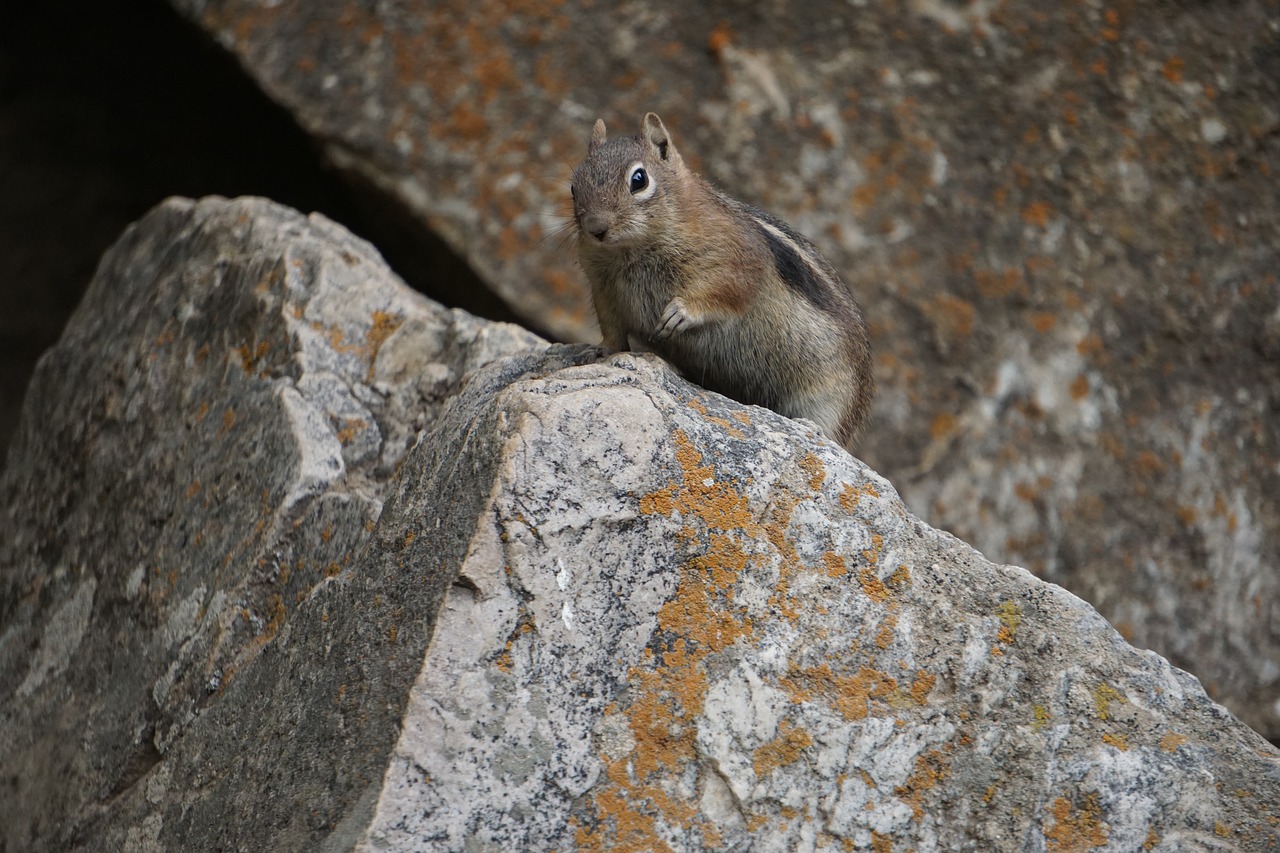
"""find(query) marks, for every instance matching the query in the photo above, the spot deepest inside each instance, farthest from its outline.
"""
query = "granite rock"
(682, 624)
(211, 440)
(1063, 222)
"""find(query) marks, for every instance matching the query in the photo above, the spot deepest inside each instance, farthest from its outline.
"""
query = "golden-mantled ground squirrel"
(733, 297)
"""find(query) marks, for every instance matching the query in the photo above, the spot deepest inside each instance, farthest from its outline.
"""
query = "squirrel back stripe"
(795, 270)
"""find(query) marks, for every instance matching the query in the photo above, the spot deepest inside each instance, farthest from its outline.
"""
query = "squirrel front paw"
(674, 320)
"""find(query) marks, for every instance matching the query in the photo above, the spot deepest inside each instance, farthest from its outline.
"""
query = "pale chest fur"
(633, 285)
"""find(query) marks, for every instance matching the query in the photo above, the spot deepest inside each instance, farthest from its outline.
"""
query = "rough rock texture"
(682, 624)
(594, 606)
(90, 135)
(211, 440)
(1063, 221)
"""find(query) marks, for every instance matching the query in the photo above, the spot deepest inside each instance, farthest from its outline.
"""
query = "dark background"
(108, 108)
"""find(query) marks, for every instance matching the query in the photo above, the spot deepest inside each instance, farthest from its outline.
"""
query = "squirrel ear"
(597, 136)
(656, 136)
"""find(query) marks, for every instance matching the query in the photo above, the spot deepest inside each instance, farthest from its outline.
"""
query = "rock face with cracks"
(210, 442)
(592, 607)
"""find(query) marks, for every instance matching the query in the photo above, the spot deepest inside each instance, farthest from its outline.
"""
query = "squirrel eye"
(573, 192)
(639, 180)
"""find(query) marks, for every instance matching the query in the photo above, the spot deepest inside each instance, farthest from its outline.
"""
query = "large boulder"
(686, 625)
(592, 607)
(1062, 221)
(211, 439)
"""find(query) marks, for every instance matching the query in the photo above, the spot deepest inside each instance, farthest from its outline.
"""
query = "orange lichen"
(698, 407)
(900, 578)
(1010, 618)
(723, 559)
(695, 613)
(850, 495)
(1147, 464)
(1037, 213)
(872, 554)
(277, 612)
(658, 503)
(337, 338)
(166, 337)
(1090, 345)
(1079, 387)
(638, 804)
(1118, 741)
(943, 424)
(718, 505)
(1041, 717)
(931, 768)
(997, 285)
(872, 585)
(660, 718)
(834, 564)
(700, 619)
(1043, 321)
(850, 695)
(952, 316)
(1025, 491)
(786, 748)
(465, 123)
(1076, 830)
(631, 830)
(922, 686)
(1103, 695)
(494, 74)
(775, 530)
(812, 466)
(1171, 741)
(884, 637)
(721, 37)
(351, 428)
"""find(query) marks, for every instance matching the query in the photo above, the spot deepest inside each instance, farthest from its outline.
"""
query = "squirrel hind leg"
(828, 406)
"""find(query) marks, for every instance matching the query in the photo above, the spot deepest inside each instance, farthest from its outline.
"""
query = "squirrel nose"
(596, 225)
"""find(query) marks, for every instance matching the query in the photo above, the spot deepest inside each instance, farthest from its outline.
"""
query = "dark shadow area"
(108, 108)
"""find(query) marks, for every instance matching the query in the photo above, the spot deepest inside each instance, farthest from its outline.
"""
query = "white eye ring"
(639, 182)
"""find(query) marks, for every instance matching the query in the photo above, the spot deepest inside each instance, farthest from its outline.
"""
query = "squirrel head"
(622, 190)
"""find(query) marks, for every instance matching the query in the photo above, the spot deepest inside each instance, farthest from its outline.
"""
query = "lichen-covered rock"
(211, 439)
(1062, 221)
(682, 624)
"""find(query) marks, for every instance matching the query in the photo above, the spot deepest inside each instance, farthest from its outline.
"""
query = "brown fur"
(735, 299)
